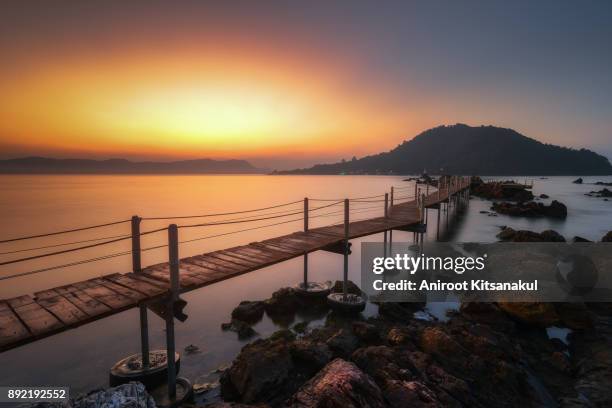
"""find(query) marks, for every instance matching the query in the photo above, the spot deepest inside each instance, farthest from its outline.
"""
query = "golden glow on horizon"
(186, 104)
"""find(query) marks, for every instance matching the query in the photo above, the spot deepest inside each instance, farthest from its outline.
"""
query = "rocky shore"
(486, 355)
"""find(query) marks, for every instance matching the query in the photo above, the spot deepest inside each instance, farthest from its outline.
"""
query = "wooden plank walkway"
(27, 318)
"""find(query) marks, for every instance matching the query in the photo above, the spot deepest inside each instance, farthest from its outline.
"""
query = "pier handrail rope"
(65, 251)
(48, 234)
(220, 214)
(63, 244)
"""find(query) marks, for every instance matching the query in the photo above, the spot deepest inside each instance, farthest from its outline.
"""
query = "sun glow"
(184, 104)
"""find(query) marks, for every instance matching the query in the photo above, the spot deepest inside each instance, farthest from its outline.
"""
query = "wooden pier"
(30, 317)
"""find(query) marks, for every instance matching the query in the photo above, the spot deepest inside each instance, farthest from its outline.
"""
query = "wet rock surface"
(500, 190)
(486, 355)
(600, 193)
(512, 235)
(556, 209)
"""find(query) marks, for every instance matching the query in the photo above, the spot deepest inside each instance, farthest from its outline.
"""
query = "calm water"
(81, 357)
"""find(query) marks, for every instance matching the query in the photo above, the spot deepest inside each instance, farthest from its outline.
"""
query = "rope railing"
(450, 186)
(48, 234)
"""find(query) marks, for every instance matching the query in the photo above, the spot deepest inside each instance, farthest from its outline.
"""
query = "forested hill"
(462, 149)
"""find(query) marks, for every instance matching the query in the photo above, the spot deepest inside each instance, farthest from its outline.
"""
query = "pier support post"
(346, 248)
(305, 253)
(386, 205)
(391, 198)
(144, 336)
(173, 255)
(136, 265)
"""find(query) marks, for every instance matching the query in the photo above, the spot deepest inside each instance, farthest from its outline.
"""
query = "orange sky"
(274, 82)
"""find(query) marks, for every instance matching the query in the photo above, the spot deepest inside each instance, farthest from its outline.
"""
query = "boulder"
(441, 345)
(577, 181)
(607, 237)
(283, 301)
(551, 236)
(531, 313)
(544, 196)
(506, 233)
(343, 343)
(411, 394)
(556, 209)
(248, 311)
(310, 355)
(262, 372)
(244, 330)
(366, 332)
(131, 395)
(398, 336)
(574, 315)
(339, 385)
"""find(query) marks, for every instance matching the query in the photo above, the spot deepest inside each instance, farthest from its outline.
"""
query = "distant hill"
(42, 165)
(462, 149)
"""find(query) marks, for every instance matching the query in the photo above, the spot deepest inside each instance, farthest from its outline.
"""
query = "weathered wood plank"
(37, 319)
(20, 301)
(141, 286)
(108, 297)
(65, 311)
(86, 303)
(249, 263)
(122, 290)
(49, 293)
(11, 329)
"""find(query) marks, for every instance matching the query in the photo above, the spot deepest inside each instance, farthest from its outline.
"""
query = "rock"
(607, 237)
(531, 313)
(544, 196)
(311, 355)
(487, 313)
(509, 234)
(560, 362)
(283, 301)
(262, 372)
(301, 327)
(551, 236)
(132, 395)
(442, 346)
(602, 183)
(343, 343)
(410, 394)
(556, 209)
(192, 349)
(366, 332)
(382, 363)
(505, 190)
(399, 311)
(601, 193)
(244, 330)
(580, 239)
(577, 181)
(400, 336)
(249, 312)
(574, 315)
(339, 385)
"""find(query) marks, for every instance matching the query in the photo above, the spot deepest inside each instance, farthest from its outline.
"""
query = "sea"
(81, 358)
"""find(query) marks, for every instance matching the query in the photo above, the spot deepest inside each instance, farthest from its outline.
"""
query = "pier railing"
(305, 211)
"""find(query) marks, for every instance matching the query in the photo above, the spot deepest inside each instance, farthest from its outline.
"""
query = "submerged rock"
(249, 311)
(578, 181)
(340, 384)
(509, 234)
(244, 330)
(556, 209)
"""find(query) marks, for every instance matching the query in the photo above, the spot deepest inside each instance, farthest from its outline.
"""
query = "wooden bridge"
(27, 318)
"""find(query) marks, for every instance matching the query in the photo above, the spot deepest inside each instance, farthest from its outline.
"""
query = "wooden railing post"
(173, 255)
(386, 205)
(305, 253)
(346, 247)
(391, 198)
(305, 214)
(136, 264)
(422, 208)
(416, 188)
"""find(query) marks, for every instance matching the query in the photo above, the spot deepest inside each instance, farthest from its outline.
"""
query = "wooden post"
(416, 187)
(173, 255)
(386, 207)
(305, 214)
(346, 245)
(136, 265)
(422, 208)
(144, 336)
(391, 199)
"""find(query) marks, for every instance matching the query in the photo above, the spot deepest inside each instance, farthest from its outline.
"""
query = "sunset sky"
(287, 84)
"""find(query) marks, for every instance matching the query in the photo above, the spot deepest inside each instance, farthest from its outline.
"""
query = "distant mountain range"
(463, 149)
(42, 165)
